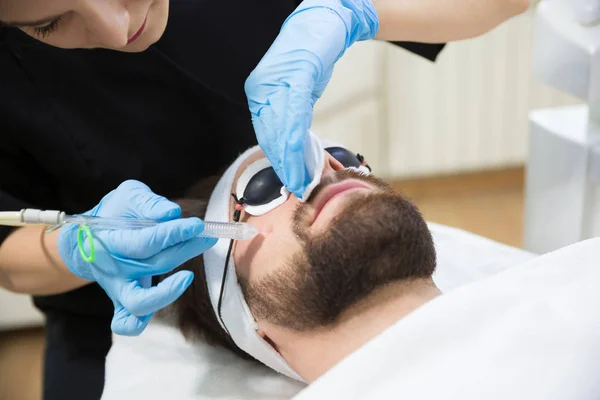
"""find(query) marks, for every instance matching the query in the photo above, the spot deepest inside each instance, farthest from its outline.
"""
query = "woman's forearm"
(30, 263)
(438, 21)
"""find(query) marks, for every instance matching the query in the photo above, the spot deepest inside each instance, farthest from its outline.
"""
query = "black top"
(76, 123)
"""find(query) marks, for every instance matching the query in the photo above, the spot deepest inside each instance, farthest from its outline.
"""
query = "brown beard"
(375, 240)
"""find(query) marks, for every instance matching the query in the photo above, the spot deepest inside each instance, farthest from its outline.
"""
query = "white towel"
(160, 365)
(531, 332)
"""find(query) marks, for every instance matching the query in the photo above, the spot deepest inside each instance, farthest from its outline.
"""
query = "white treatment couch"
(160, 364)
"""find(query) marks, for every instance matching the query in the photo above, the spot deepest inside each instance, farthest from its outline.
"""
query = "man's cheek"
(277, 254)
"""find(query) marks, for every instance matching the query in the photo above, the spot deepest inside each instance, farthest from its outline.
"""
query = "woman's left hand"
(293, 74)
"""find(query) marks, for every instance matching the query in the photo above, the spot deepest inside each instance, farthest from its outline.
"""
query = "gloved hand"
(293, 74)
(126, 259)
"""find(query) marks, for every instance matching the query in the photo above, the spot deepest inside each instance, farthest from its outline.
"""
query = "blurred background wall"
(412, 118)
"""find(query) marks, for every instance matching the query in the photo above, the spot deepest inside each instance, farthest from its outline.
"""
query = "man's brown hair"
(193, 311)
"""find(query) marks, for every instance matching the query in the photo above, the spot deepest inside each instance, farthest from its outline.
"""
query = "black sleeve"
(10, 178)
(23, 184)
(429, 51)
(9, 203)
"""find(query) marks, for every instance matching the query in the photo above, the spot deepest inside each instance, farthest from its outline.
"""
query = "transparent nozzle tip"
(212, 229)
(229, 230)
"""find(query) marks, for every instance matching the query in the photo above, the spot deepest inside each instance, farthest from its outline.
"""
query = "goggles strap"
(236, 218)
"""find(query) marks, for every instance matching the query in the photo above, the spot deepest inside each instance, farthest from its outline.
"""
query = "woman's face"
(123, 25)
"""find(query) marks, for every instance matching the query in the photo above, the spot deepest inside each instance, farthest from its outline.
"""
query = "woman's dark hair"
(193, 311)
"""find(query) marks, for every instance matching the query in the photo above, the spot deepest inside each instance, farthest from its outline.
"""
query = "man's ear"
(266, 338)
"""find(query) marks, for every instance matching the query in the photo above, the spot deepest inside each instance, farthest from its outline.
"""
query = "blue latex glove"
(126, 259)
(293, 74)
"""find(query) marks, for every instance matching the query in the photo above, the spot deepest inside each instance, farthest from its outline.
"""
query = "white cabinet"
(17, 311)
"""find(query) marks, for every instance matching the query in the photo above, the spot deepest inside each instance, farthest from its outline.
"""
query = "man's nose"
(331, 165)
(108, 22)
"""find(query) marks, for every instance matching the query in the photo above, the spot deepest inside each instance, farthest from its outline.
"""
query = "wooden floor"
(21, 364)
(488, 203)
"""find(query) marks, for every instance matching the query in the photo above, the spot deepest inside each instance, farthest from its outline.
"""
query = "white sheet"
(160, 365)
(532, 333)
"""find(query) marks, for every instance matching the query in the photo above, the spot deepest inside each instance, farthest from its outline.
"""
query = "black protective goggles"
(261, 191)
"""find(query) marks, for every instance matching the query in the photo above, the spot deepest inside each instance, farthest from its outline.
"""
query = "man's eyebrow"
(24, 24)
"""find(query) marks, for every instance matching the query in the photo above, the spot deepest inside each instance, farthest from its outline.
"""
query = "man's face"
(313, 260)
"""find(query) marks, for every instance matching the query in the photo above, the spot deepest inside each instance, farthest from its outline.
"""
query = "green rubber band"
(92, 256)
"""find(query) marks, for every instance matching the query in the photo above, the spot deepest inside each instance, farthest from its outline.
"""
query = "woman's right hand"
(126, 259)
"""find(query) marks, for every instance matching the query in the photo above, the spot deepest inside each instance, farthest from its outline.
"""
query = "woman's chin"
(155, 28)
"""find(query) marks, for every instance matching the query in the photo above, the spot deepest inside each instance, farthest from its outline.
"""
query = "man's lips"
(332, 191)
(138, 33)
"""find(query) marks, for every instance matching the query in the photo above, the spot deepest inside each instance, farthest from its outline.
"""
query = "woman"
(163, 104)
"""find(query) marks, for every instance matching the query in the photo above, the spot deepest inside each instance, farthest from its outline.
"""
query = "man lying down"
(321, 279)
(337, 292)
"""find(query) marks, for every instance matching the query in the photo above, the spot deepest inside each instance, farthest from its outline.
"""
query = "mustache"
(339, 176)
(299, 217)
